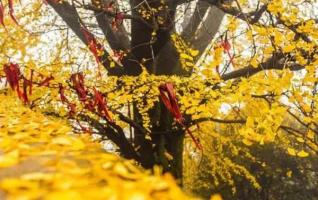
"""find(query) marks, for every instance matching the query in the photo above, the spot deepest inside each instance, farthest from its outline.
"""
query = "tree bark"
(168, 63)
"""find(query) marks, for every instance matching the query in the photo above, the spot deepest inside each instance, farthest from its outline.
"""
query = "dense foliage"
(162, 86)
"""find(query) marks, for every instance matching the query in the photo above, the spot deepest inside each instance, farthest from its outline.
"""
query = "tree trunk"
(168, 149)
(175, 148)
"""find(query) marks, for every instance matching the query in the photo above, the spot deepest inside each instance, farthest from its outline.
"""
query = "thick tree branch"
(168, 62)
(118, 40)
(277, 61)
(208, 29)
(71, 17)
(147, 42)
(192, 25)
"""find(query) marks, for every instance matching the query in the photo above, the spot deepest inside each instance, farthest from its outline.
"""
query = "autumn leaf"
(302, 154)
(291, 151)
(216, 197)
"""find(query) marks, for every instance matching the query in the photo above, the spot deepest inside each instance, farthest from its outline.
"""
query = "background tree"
(234, 88)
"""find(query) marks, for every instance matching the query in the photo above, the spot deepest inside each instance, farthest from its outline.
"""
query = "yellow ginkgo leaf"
(66, 140)
(310, 134)
(112, 64)
(249, 122)
(254, 62)
(288, 48)
(247, 142)
(189, 64)
(9, 159)
(216, 197)
(62, 140)
(186, 56)
(37, 176)
(289, 173)
(291, 151)
(194, 53)
(302, 154)
(300, 139)
(12, 184)
(307, 108)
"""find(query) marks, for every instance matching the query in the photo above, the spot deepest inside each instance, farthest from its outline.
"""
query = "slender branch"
(251, 17)
(243, 121)
(131, 122)
(223, 121)
(115, 134)
(297, 133)
(301, 122)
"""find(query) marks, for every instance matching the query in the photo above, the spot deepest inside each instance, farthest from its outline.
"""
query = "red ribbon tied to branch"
(82, 93)
(78, 83)
(227, 47)
(169, 99)
(13, 76)
(94, 46)
(71, 106)
(101, 104)
(12, 73)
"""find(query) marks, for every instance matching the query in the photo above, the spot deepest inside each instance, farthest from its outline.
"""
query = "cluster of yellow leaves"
(16, 42)
(221, 152)
(293, 152)
(260, 125)
(276, 7)
(187, 54)
(41, 158)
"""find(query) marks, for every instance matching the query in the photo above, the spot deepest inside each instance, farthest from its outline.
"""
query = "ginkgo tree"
(153, 73)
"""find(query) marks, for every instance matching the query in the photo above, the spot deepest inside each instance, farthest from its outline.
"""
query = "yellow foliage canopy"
(228, 112)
